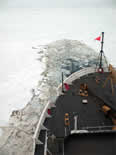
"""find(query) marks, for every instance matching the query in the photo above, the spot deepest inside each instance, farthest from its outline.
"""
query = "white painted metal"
(79, 131)
(43, 127)
(45, 146)
(38, 142)
(65, 131)
(84, 101)
(75, 122)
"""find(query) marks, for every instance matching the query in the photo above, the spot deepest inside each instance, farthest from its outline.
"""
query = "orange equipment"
(111, 77)
(105, 109)
(83, 90)
(66, 119)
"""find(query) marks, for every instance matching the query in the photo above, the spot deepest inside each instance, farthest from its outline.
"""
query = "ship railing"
(40, 126)
(79, 74)
(95, 129)
(95, 124)
(98, 127)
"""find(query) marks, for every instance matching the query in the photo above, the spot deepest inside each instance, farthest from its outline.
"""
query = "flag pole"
(101, 51)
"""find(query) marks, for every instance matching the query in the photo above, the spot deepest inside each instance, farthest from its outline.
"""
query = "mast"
(101, 51)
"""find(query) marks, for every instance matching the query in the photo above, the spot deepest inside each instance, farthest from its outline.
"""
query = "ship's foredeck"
(83, 113)
(89, 116)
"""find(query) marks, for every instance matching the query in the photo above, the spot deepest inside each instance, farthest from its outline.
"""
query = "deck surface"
(90, 118)
(89, 115)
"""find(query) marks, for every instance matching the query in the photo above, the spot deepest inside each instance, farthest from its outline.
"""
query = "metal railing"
(79, 74)
(98, 127)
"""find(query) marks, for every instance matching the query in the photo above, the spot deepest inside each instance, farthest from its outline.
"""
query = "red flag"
(98, 38)
(66, 86)
(49, 111)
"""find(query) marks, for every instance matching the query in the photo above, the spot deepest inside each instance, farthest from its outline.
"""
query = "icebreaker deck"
(78, 123)
(89, 115)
